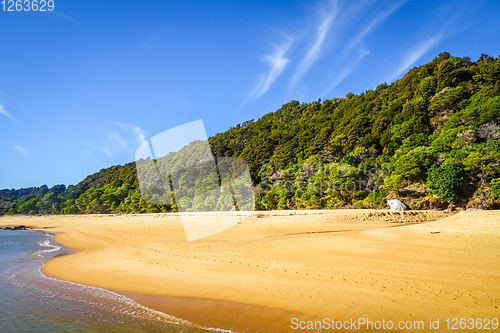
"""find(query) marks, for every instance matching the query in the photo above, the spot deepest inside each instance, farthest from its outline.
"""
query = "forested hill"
(430, 139)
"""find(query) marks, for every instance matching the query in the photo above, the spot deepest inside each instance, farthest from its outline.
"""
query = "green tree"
(495, 187)
(446, 181)
(30, 205)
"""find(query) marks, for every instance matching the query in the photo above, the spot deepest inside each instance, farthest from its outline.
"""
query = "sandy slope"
(259, 274)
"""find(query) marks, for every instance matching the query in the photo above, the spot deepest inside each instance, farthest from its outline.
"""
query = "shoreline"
(224, 315)
(190, 311)
(206, 314)
(227, 317)
(251, 277)
(134, 298)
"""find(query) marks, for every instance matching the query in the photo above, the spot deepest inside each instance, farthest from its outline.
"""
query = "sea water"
(32, 302)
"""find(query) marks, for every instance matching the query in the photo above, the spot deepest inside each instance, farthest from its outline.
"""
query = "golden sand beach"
(275, 266)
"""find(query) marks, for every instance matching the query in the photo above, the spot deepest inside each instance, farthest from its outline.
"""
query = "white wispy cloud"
(107, 151)
(139, 134)
(20, 150)
(346, 71)
(5, 113)
(315, 50)
(121, 141)
(380, 18)
(350, 53)
(126, 139)
(89, 153)
(64, 16)
(415, 54)
(277, 61)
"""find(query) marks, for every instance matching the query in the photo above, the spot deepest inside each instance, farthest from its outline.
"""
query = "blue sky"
(81, 87)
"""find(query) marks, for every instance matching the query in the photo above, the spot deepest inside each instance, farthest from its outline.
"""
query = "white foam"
(46, 243)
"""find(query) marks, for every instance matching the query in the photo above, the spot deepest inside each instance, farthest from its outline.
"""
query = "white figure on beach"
(397, 205)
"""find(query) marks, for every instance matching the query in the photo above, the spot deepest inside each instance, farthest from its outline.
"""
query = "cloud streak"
(315, 50)
(346, 71)
(124, 140)
(107, 151)
(64, 16)
(5, 113)
(127, 139)
(20, 150)
(118, 139)
(140, 134)
(277, 61)
(415, 54)
(380, 18)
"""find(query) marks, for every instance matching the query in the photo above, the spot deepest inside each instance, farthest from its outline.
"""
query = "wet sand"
(275, 266)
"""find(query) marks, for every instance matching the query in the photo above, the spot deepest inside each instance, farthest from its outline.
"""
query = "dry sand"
(274, 266)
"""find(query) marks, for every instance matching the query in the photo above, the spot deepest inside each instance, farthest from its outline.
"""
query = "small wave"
(46, 243)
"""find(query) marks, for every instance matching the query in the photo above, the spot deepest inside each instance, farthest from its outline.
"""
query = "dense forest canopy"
(430, 139)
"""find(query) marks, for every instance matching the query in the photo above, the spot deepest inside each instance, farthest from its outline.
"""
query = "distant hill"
(430, 139)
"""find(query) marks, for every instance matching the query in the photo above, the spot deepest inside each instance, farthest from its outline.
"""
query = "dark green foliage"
(446, 182)
(495, 187)
(437, 126)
